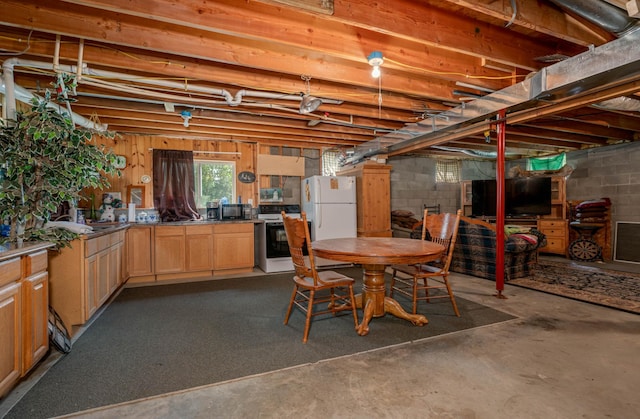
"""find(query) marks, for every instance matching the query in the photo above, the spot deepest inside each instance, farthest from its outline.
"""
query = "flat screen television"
(523, 197)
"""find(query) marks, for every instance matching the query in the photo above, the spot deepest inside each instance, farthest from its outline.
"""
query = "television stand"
(554, 225)
(525, 221)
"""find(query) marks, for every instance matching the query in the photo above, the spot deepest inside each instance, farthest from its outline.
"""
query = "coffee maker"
(213, 210)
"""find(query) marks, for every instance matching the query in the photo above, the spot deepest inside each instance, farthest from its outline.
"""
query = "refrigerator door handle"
(318, 190)
(318, 210)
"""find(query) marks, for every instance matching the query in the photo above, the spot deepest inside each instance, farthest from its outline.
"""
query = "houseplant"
(46, 161)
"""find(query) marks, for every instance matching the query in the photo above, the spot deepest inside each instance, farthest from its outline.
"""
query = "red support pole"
(500, 203)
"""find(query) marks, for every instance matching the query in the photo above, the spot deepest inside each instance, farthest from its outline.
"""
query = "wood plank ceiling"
(239, 67)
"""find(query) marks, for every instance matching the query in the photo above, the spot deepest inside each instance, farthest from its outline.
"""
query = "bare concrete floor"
(559, 359)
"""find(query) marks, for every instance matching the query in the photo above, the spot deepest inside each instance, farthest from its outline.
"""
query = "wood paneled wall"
(138, 152)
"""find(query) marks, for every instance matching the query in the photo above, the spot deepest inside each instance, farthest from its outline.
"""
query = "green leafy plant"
(47, 160)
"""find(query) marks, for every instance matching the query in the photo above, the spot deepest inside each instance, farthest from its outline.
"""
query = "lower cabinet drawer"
(555, 245)
(553, 232)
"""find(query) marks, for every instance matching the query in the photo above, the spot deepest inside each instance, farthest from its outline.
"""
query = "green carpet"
(154, 340)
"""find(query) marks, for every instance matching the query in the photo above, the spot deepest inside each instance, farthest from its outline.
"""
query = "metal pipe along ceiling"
(615, 60)
(603, 14)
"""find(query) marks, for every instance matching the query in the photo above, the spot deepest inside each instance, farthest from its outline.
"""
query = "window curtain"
(173, 185)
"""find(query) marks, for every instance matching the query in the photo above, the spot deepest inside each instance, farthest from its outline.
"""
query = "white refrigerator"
(330, 205)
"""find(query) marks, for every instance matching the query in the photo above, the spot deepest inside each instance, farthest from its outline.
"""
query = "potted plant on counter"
(46, 161)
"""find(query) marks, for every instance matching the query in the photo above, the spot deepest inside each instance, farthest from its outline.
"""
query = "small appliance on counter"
(213, 210)
(235, 212)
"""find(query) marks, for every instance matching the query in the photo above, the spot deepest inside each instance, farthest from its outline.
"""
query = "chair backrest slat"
(298, 237)
(443, 229)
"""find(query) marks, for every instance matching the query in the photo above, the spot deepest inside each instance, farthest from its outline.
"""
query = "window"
(214, 180)
(448, 171)
(331, 162)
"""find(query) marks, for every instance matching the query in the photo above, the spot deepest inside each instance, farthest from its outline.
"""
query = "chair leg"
(307, 323)
(453, 299)
(293, 297)
(393, 283)
(414, 301)
(332, 301)
(426, 289)
(352, 299)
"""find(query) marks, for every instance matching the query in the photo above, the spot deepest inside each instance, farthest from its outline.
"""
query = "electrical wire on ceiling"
(514, 7)
(453, 73)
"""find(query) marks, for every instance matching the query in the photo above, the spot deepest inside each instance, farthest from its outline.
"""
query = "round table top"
(377, 250)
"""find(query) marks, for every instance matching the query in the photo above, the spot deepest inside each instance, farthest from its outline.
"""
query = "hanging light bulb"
(375, 73)
(375, 59)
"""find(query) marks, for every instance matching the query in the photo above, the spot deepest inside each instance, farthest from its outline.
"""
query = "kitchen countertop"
(9, 251)
(101, 229)
(197, 222)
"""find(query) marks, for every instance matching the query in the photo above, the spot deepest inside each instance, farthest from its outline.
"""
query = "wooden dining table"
(375, 254)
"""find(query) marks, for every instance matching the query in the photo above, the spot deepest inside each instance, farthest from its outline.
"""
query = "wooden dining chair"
(311, 287)
(412, 280)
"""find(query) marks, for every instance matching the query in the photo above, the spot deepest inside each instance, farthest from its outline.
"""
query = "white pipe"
(187, 101)
(80, 58)
(229, 98)
(10, 89)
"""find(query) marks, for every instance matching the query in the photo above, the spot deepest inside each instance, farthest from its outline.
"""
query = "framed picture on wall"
(136, 195)
(270, 194)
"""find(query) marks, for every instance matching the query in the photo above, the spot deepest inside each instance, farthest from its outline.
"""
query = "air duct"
(622, 103)
(608, 17)
(613, 20)
(615, 60)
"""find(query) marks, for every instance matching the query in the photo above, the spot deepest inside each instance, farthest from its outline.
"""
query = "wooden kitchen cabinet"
(199, 248)
(140, 255)
(556, 232)
(233, 246)
(10, 321)
(466, 197)
(555, 226)
(160, 253)
(169, 249)
(24, 309)
(82, 276)
(373, 195)
(35, 309)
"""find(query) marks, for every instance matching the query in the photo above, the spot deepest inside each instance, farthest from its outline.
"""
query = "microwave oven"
(235, 212)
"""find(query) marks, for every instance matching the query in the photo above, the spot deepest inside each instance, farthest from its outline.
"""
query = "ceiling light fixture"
(375, 59)
(186, 115)
(308, 103)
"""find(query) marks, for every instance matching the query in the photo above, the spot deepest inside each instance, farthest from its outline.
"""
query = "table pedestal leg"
(374, 302)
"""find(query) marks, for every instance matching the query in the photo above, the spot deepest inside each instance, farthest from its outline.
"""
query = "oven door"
(276, 241)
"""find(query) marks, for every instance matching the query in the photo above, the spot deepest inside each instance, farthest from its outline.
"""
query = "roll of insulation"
(132, 212)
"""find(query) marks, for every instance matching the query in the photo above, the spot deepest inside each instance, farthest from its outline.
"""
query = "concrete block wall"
(413, 184)
(612, 172)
